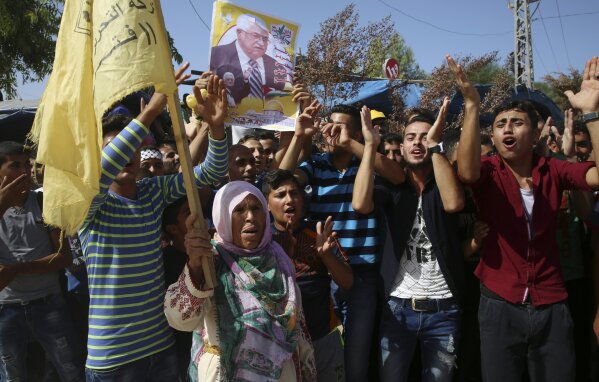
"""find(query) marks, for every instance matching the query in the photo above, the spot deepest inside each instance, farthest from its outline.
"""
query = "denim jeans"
(437, 332)
(159, 367)
(48, 321)
(359, 323)
(517, 337)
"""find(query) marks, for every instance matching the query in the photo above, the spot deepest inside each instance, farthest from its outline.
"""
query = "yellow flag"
(106, 49)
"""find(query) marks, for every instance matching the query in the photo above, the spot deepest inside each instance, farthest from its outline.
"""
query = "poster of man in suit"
(254, 53)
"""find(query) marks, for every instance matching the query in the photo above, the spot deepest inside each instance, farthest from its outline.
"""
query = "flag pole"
(193, 197)
(188, 179)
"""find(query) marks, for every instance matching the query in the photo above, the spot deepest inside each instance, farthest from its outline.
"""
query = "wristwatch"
(588, 117)
(437, 149)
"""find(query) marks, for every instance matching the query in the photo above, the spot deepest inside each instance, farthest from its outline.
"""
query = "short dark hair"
(168, 143)
(248, 137)
(392, 138)
(237, 146)
(419, 114)
(580, 128)
(169, 215)
(11, 148)
(114, 122)
(353, 112)
(524, 106)
(273, 180)
(265, 134)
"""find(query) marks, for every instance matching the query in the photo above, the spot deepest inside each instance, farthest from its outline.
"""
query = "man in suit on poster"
(247, 60)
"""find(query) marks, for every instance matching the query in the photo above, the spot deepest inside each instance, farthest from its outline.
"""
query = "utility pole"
(523, 67)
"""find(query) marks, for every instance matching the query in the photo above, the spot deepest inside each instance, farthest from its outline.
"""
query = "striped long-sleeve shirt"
(121, 241)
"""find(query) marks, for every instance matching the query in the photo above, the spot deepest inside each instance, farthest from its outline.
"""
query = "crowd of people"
(433, 255)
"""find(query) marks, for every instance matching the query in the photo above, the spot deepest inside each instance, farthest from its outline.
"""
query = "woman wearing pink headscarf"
(250, 321)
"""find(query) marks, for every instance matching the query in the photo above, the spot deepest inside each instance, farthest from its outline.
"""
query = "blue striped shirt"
(332, 195)
(121, 241)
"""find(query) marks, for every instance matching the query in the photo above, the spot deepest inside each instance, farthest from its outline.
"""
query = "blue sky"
(461, 27)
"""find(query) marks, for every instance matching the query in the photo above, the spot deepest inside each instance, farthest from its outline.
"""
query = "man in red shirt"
(523, 315)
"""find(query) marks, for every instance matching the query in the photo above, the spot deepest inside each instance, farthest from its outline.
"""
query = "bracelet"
(588, 117)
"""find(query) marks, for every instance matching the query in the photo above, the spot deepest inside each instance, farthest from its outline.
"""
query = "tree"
(337, 56)
(396, 48)
(483, 69)
(556, 86)
(27, 32)
(28, 29)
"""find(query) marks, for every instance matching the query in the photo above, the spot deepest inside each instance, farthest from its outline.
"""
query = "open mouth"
(417, 153)
(250, 230)
(509, 142)
(290, 212)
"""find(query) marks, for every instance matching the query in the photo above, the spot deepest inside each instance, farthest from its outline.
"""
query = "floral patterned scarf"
(256, 296)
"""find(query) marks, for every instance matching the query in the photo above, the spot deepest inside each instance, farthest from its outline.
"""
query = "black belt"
(419, 304)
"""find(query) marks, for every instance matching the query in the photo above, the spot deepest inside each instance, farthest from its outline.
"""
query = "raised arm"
(385, 167)
(447, 181)
(362, 198)
(304, 129)
(119, 151)
(587, 101)
(469, 147)
(302, 97)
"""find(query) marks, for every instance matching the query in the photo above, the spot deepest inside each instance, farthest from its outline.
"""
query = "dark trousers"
(159, 367)
(519, 337)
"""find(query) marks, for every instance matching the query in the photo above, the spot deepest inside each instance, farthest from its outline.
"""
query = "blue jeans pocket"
(396, 307)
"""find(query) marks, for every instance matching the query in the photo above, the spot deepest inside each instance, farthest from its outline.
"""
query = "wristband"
(437, 149)
(588, 117)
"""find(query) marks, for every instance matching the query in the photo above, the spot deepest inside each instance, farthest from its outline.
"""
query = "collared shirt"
(512, 265)
(244, 60)
(398, 204)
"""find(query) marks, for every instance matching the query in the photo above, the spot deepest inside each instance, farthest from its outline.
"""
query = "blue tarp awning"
(375, 95)
(16, 119)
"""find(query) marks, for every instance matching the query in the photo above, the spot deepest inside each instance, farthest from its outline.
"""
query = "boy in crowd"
(523, 315)
(129, 338)
(311, 249)
(391, 146)
(421, 266)
(31, 300)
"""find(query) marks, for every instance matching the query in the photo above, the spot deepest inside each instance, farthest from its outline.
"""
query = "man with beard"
(421, 266)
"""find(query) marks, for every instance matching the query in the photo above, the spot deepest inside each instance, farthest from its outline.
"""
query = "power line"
(568, 15)
(538, 54)
(549, 42)
(201, 19)
(563, 34)
(440, 28)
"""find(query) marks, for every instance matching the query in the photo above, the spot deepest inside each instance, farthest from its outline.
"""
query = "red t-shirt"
(512, 265)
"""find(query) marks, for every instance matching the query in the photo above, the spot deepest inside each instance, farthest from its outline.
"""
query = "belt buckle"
(414, 301)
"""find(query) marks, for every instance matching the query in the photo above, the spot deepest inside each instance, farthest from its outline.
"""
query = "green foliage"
(27, 32)
(395, 48)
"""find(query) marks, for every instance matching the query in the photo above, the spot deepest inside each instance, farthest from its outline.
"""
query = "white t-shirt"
(528, 201)
(419, 272)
